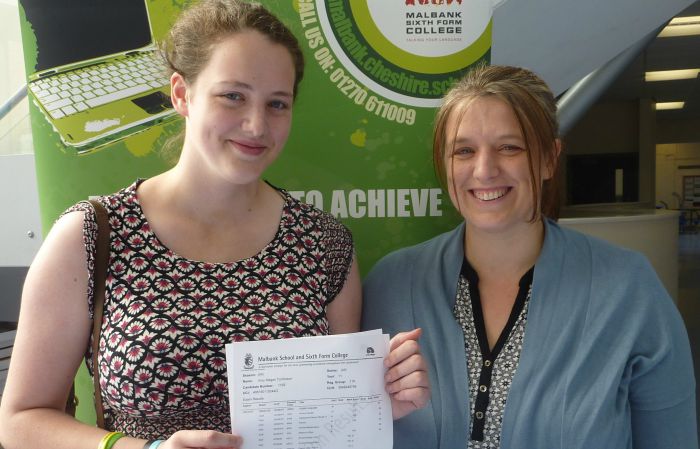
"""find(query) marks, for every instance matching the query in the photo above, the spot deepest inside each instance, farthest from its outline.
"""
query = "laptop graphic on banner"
(99, 76)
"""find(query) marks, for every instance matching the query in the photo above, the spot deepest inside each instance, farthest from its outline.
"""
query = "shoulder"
(80, 218)
(413, 281)
(315, 220)
(71, 222)
(616, 297)
(62, 252)
(395, 278)
(81, 215)
(325, 237)
(580, 277)
(600, 255)
(416, 256)
(591, 253)
(621, 282)
(112, 202)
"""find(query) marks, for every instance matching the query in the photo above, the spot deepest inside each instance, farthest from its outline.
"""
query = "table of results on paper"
(311, 395)
(315, 422)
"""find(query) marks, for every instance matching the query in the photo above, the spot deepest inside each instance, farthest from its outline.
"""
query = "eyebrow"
(512, 136)
(466, 140)
(240, 84)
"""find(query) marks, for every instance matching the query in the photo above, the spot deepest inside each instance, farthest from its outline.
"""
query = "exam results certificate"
(311, 393)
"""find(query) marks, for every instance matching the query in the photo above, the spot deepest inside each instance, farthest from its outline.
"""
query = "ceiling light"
(669, 105)
(684, 20)
(682, 26)
(668, 75)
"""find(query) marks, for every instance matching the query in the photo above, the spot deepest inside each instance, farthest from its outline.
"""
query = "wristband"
(109, 439)
(154, 444)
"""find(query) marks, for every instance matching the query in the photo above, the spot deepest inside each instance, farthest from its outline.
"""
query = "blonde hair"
(535, 108)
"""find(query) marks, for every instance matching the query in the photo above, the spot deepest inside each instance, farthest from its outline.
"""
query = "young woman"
(535, 336)
(201, 255)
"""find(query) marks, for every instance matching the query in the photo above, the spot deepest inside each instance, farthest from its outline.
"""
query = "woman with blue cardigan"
(535, 336)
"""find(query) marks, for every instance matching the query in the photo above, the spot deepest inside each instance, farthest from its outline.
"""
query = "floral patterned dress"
(166, 318)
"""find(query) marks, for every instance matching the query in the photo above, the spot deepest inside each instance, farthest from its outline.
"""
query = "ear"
(178, 94)
(551, 166)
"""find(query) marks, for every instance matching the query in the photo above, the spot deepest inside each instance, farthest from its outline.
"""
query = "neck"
(504, 255)
(209, 200)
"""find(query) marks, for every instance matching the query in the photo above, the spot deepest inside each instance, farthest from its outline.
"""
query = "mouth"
(248, 147)
(490, 194)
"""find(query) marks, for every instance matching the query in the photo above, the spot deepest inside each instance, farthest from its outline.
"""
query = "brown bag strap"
(72, 401)
(100, 279)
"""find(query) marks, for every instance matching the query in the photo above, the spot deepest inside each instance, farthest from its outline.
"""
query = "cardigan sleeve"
(660, 370)
(387, 305)
(669, 428)
(386, 298)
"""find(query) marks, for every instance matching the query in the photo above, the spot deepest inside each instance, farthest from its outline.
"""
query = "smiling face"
(239, 108)
(487, 169)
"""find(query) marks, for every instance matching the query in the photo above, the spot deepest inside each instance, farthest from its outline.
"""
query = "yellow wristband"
(109, 439)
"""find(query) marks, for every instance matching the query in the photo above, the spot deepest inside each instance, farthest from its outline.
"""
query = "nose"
(485, 165)
(255, 120)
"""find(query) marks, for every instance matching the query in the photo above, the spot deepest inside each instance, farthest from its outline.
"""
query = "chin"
(241, 177)
(493, 224)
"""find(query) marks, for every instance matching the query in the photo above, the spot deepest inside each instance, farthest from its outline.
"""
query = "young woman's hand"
(407, 377)
(202, 439)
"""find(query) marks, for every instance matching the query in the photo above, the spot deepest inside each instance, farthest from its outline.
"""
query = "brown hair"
(200, 27)
(535, 108)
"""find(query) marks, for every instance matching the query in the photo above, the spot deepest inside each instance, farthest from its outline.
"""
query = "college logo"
(248, 361)
(409, 51)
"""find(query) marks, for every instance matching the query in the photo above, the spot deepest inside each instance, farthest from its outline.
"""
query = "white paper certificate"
(311, 393)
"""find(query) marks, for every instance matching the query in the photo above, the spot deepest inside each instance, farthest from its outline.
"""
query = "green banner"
(360, 146)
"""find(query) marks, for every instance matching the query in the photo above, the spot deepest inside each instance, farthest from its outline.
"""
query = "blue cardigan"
(605, 362)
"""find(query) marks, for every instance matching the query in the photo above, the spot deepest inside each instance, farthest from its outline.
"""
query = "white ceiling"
(664, 54)
(565, 40)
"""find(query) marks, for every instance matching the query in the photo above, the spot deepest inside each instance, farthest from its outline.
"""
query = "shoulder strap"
(100, 279)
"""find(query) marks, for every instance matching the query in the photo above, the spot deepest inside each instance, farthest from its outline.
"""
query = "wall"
(15, 133)
(18, 194)
(678, 131)
(618, 127)
(647, 151)
(669, 157)
(20, 232)
(608, 127)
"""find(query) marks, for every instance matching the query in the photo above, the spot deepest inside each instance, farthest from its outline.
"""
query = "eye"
(463, 151)
(279, 105)
(233, 96)
(511, 149)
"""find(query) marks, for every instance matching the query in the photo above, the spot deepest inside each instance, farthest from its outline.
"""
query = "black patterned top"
(166, 318)
(491, 370)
